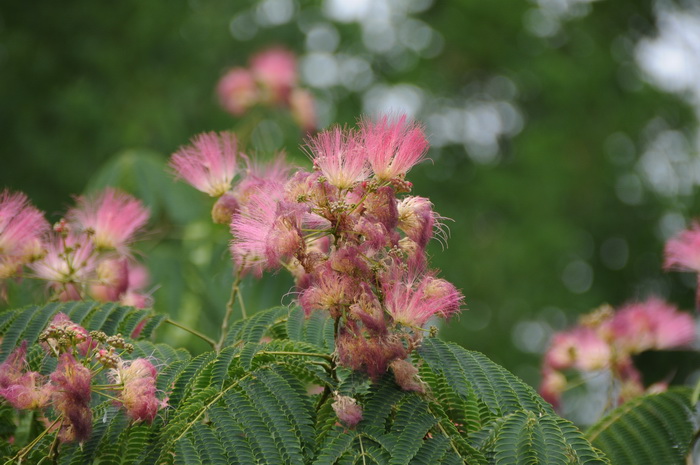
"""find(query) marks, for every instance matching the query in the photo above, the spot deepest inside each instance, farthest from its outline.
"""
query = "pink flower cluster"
(69, 389)
(271, 79)
(352, 238)
(682, 253)
(87, 253)
(607, 340)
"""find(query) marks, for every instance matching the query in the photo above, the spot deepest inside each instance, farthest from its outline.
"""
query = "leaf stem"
(203, 337)
(229, 310)
(308, 354)
(26, 449)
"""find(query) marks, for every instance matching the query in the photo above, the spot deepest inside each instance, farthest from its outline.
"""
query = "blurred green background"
(564, 135)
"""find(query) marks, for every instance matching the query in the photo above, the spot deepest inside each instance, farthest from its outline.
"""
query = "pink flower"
(552, 386)
(237, 91)
(209, 163)
(275, 69)
(347, 409)
(393, 147)
(138, 395)
(417, 219)
(68, 264)
(268, 177)
(339, 157)
(683, 251)
(23, 390)
(71, 398)
(21, 229)
(652, 324)
(111, 217)
(369, 355)
(412, 300)
(265, 233)
(581, 348)
(330, 291)
(303, 108)
(406, 376)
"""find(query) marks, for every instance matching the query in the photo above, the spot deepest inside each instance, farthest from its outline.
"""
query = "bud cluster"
(85, 254)
(606, 340)
(355, 243)
(82, 356)
(270, 80)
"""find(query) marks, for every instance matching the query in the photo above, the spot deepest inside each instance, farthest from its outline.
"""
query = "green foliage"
(250, 403)
(653, 429)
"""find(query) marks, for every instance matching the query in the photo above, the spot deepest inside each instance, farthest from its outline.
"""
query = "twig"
(203, 337)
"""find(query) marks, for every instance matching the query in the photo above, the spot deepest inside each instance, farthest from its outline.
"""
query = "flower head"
(348, 410)
(23, 390)
(682, 252)
(138, 395)
(111, 218)
(68, 264)
(275, 69)
(21, 229)
(303, 108)
(209, 163)
(393, 147)
(580, 347)
(71, 398)
(337, 153)
(237, 91)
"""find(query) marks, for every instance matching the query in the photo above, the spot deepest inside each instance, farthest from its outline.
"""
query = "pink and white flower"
(111, 217)
(21, 229)
(337, 153)
(276, 70)
(237, 91)
(209, 164)
(682, 252)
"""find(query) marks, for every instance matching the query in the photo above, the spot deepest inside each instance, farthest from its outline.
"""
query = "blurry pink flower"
(23, 390)
(682, 252)
(68, 264)
(269, 177)
(209, 163)
(580, 347)
(652, 324)
(347, 409)
(339, 156)
(21, 229)
(138, 395)
(71, 398)
(275, 69)
(112, 217)
(412, 300)
(393, 147)
(303, 109)
(552, 386)
(237, 91)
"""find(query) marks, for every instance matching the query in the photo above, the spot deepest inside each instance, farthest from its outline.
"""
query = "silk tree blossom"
(269, 177)
(413, 299)
(111, 218)
(68, 265)
(265, 233)
(581, 348)
(303, 107)
(393, 147)
(682, 252)
(276, 70)
(209, 164)
(22, 389)
(418, 220)
(338, 155)
(652, 324)
(138, 396)
(347, 409)
(21, 229)
(237, 91)
(71, 398)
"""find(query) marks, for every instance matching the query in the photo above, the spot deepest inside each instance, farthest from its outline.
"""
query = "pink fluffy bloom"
(348, 410)
(406, 376)
(393, 147)
(138, 395)
(68, 264)
(23, 390)
(276, 70)
(237, 91)
(71, 398)
(265, 233)
(330, 291)
(339, 156)
(581, 348)
(209, 163)
(269, 177)
(303, 108)
(418, 220)
(652, 324)
(21, 229)
(682, 252)
(552, 386)
(412, 299)
(111, 217)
